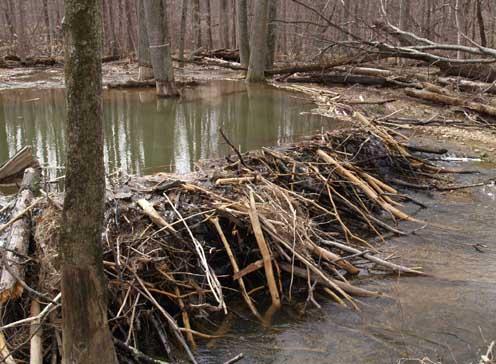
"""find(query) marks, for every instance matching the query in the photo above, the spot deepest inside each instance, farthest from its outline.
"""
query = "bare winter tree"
(243, 35)
(86, 336)
(160, 50)
(144, 61)
(256, 68)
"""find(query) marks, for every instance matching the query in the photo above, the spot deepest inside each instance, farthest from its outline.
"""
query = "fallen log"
(344, 79)
(146, 84)
(14, 167)
(18, 242)
(466, 85)
(451, 100)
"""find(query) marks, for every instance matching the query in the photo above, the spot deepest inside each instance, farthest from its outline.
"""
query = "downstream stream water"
(449, 316)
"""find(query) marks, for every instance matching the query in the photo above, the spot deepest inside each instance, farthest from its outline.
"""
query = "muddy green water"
(450, 317)
(145, 135)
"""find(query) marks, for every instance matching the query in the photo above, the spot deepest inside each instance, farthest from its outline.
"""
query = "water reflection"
(144, 135)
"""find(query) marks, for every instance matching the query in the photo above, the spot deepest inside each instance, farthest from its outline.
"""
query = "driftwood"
(231, 55)
(18, 243)
(451, 100)
(13, 61)
(14, 167)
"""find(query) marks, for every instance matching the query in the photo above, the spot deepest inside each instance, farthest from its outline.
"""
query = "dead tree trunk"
(144, 61)
(160, 52)
(18, 243)
(244, 40)
(86, 335)
(256, 68)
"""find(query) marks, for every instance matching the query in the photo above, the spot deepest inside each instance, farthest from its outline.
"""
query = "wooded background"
(303, 29)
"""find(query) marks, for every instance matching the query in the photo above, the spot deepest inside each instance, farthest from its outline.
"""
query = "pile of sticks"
(278, 225)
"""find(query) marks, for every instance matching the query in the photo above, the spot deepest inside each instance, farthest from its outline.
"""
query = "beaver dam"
(262, 228)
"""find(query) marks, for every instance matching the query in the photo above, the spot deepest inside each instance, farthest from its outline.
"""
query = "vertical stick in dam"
(86, 336)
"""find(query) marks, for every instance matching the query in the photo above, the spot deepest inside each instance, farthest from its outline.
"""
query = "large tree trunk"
(271, 35)
(244, 42)
(182, 32)
(86, 335)
(144, 61)
(256, 68)
(160, 53)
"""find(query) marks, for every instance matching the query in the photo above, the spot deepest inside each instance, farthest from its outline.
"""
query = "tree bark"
(182, 32)
(144, 62)
(271, 34)
(480, 21)
(160, 53)
(224, 24)
(197, 41)
(210, 41)
(86, 335)
(256, 68)
(244, 40)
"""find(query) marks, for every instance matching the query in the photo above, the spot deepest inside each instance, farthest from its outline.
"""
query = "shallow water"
(145, 135)
(450, 317)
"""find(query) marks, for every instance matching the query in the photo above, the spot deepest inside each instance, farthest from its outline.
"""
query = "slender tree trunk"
(145, 70)
(210, 41)
(244, 39)
(182, 32)
(111, 25)
(22, 50)
(197, 43)
(271, 34)
(86, 335)
(46, 18)
(160, 50)
(256, 68)
(130, 27)
(224, 24)
(482, 28)
(458, 27)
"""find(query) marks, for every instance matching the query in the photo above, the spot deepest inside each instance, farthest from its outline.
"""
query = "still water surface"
(145, 135)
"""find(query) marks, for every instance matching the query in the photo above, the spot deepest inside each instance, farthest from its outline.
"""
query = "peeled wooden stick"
(150, 211)
(5, 356)
(264, 250)
(333, 258)
(235, 266)
(372, 258)
(36, 349)
(185, 317)
(370, 192)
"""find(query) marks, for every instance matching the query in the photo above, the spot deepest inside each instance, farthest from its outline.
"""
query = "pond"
(448, 317)
(144, 134)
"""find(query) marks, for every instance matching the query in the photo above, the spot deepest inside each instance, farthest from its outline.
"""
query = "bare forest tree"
(160, 50)
(86, 335)
(30, 28)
